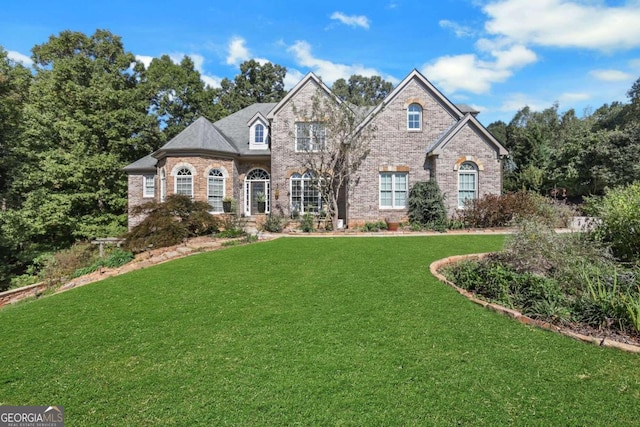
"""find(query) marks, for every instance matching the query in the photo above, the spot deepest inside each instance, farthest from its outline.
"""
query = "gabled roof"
(415, 75)
(309, 77)
(257, 116)
(468, 120)
(145, 164)
(235, 128)
(200, 135)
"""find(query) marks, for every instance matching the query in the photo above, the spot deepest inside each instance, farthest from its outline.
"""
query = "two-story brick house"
(419, 135)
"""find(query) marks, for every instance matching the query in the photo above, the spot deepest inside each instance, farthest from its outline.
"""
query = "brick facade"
(395, 148)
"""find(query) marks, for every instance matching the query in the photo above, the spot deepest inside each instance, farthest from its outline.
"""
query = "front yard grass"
(304, 331)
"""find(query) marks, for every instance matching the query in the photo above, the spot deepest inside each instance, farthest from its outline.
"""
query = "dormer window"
(414, 117)
(259, 134)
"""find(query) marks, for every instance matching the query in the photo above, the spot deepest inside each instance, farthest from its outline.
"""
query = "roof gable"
(469, 119)
(310, 77)
(415, 75)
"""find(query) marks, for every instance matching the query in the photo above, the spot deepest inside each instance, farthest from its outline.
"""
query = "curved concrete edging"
(514, 314)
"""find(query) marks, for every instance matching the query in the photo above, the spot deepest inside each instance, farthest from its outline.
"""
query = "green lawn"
(310, 331)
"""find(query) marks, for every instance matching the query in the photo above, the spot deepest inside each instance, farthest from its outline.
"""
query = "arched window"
(215, 189)
(467, 183)
(305, 193)
(184, 182)
(414, 117)
(259, 134)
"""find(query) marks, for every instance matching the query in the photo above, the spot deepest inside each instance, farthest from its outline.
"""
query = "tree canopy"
(256, 83)
(362, 91)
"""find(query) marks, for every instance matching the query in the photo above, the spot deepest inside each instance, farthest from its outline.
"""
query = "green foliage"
(179, 95)
(306, 223)
(426, 205)
(619, 221)
(361, 90)
(169, 223)
(113, 259)
(558, 277)
(273, 223)
(492, 210)
(374, 226)
(256, 83)
(232, 226)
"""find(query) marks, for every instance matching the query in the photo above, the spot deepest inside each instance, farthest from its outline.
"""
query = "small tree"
(168, 223)
(426, 205)
(339, 144)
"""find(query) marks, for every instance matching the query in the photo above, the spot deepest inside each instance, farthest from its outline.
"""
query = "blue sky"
(496, 55)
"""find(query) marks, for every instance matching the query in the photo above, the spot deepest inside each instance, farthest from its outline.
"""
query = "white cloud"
(238, 52)
(611, 75)
(19, 57)
(515, 101)
(292, 78)
(570, 97)
(565, 23)
(352, 21)
(330, 71)
(146, 60)
(458, 30)
(469, 73)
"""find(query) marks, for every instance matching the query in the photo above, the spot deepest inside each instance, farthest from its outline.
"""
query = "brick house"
(419, 135)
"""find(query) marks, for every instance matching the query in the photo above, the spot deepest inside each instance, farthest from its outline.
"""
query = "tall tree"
(361, 90)
(256, 83)
(340, 145)
(86, 117)
(179, 95)
(14, 87)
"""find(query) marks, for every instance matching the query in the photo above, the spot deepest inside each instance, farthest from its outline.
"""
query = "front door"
(257, 188)
(256, 183)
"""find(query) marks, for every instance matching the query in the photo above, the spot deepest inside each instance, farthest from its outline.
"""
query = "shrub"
(232, 226)
(114, 259)
(492, 210)
(619, 224)
(374, 226)
(169, 223)
(273, 224)
(306, 223)
(426, 205)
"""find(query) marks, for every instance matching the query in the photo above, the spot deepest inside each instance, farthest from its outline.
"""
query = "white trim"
(145, 179)
(176, 171)
(394, 204)
(217, 180)
(419, 112)
(253, 145)
(247, 190)
(467, 172)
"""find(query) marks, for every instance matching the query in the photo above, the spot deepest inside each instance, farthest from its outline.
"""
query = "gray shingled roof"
(235, 127)
(199, 135)
(467, 109)
(145, 164)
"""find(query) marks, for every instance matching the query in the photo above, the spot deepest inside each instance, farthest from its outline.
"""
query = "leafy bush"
(114, 259)
(426, 205)
(374, 226)
(492, 210)
(61, 265)
(619, 225)
(306, 224)
(169, 223)
(273, 223)
(232, 226)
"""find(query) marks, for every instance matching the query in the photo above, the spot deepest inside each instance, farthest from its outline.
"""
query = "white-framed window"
(148, 186)
(414, 117)
(394, 187)
(305, 193)
(467, 183)
(310, 136)
(215, 189)
(163, 185)
(184, 182)
(259, 134)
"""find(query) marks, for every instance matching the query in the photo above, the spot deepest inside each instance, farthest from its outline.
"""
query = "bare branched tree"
(335, 142)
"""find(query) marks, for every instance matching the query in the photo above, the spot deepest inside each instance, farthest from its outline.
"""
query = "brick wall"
(399, 149)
